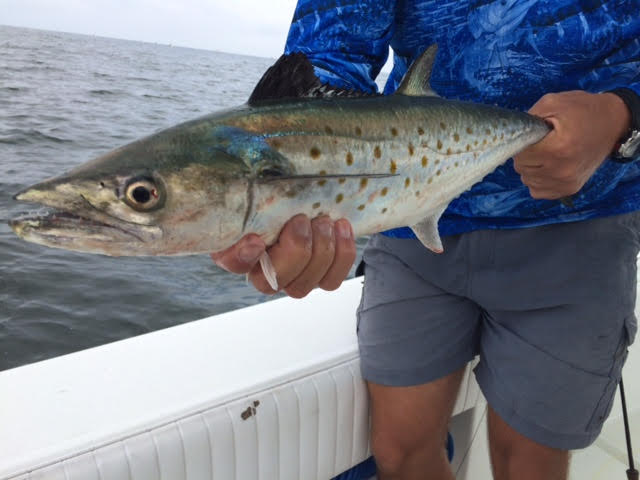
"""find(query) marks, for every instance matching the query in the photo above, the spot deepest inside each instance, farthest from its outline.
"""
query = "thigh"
(409, 418)
(553, 347)
(412, 330)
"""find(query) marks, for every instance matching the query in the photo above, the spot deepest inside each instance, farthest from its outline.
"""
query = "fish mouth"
(87, 230)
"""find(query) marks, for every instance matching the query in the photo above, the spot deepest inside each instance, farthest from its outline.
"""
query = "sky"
(250, 27)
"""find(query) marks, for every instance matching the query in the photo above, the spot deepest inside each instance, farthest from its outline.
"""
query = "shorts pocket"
(605, 404)
(631, 327)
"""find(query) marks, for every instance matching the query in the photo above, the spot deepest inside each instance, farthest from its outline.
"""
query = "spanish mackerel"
(297, 147)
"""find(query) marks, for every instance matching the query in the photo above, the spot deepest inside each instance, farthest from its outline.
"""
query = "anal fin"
(427, 232)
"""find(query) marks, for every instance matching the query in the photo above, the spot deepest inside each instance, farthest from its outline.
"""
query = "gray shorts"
(550, 311)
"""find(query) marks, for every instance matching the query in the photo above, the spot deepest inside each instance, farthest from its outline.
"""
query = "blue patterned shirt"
(504, 52)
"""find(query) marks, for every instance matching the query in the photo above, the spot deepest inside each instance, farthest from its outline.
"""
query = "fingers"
(308, 254)
(345, 255)
(289, 255)
(241, 257)
(323, 259)
(322, 256)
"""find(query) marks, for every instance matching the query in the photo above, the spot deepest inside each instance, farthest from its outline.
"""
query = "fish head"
(171, 193)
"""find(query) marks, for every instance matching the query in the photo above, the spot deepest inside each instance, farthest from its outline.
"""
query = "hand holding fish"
(586, 127)
(308, 254)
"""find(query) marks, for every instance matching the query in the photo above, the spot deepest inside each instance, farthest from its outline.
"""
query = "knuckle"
(517, 166)
(536, 194)
(566, 173)
(297, 291)
(571, 188)
(262, 286)
(566, 148)
(547, 99)
(330, 285)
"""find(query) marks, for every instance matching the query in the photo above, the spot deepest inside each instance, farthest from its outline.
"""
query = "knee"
(392, 455)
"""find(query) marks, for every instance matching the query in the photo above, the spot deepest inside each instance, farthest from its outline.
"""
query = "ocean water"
(64, 99)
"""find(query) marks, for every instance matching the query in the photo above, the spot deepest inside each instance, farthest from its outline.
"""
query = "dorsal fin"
(416, 81)
(293, 76)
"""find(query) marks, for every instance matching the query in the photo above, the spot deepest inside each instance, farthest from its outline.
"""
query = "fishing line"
(632, 473)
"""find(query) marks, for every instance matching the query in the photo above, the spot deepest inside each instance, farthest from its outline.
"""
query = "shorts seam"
(416, 376)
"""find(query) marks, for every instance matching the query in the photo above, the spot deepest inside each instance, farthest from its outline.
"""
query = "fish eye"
(142, 194)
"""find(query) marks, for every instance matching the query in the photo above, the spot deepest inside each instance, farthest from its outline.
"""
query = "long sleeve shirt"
(504, 52)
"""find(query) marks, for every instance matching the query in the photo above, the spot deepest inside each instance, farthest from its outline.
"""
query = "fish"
(297, 146)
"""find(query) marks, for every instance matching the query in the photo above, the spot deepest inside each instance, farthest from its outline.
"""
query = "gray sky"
(253, 27)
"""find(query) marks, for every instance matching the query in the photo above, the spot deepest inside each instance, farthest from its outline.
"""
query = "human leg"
(557, 322)
(409, 428)
(516, 457)
(415, 338)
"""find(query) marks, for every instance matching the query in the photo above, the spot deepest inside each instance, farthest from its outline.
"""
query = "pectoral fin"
(269, 271)
(427, 232)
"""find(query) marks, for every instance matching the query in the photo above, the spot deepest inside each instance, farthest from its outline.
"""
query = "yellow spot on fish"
(322, 182)
(363, 183)
(438, 172)
(456, 164)
(430, 180)
(342, 180)
(449, 152)
(339, 198)
(361, 207)
(411, 149)
(316, 205)
(495, 139)
(487, 131)
(276, 144)
(425, 161)
(456, 137)
(501, 136)
(420, 131)
(384, 191)
(469, 130)
(437, 161)
(328, 130)
(377, 152)
(393, 167)
(443, 126)
(315, 152)
(358, 131)
(384, 210)
(417, 193)
(484, 142)
(407, 182)
(475, 142)
(439, 145)
(468, 147)
(394, 131)
(349, 158)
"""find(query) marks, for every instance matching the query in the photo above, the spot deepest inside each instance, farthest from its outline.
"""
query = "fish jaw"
(60, 229)
(72, 222)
